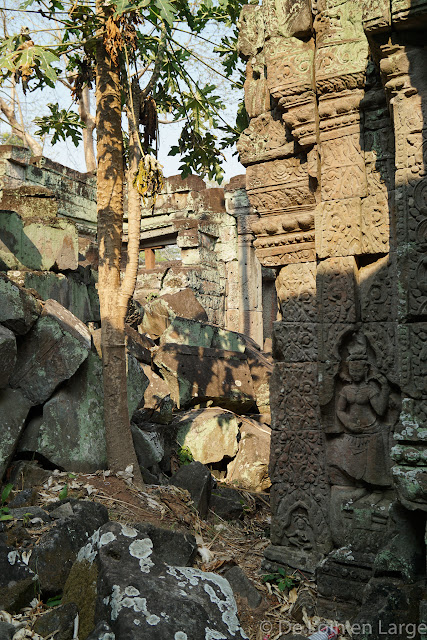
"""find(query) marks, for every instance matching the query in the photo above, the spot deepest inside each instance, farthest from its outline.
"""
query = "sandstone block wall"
(335, 153)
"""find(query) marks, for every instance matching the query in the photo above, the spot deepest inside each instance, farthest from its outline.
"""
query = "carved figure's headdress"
(358, 348)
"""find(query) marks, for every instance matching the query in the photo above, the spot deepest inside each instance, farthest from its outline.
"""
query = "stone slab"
(51, 353)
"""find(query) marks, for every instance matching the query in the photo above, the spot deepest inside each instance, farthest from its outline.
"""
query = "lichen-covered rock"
(18, 583)
(54, 554)
(70, 433)
(249, 469)
(51, 353)
(210, 434)
(37, 244)
(200, 334)
(7, 355)
(18, 309)
(14, 409)
(119, 575)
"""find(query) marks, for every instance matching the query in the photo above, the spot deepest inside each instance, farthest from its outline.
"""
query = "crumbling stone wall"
(335, 156)
(211, 227)
(48, 230)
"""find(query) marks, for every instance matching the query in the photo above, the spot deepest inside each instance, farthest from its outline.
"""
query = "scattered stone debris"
(174, 551)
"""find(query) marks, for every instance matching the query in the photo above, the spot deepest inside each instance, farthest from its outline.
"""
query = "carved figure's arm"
(379, 399)
(341, 410)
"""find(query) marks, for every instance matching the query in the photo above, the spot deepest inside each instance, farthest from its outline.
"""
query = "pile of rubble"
(194, 390)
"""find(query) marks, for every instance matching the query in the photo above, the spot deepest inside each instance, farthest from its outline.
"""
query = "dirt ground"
(221, 544)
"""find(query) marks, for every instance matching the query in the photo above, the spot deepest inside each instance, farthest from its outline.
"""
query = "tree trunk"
(18, 130)
(86, 116)
(120, 449)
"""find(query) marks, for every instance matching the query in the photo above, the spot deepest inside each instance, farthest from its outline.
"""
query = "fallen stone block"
(189, 332)
(196, 375)
(7, 355)
(158, 404)
(198, 481)
(18, 583)
(159, 313)
(14, 409)
(7, 630)
(227, 503)
(75, 291)
(148, 445)
(37, 245)
(157, 317)
(173, 547)
(249, 469)
(243, 587)
(51, 353)
(185, 304)
(119, 576)
(210, 434)
(71, 432)
(18, 309)
(58, 623)
(27, 474)
(54, 554)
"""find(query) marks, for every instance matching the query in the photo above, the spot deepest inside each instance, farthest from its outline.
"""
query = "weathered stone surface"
(198, 334)
(51, 353)
(149, 446)
(157, 317)
(197, 480)
(75, 291)
(185, 305)
(37, 245)
(17, 580)
(243, 587)
(210, 434)
(7, 355)
(158, 404)
(59, 621)
(19, 309)
(7, 631)
(249, 469)
(173, 547)
(136, 345)
(227, 503)
(261, 368)
(55, 552)
(14, 409)
(118, 573)
(197, 375)
(184, 331)
(70, 433)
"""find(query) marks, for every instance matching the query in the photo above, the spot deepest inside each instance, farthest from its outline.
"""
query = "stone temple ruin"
(336, 165)
(330, 224)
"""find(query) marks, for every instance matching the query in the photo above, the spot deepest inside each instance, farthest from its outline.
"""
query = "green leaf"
(6, 493)
(63, 493)
(3, 518)
(166, 9)
(270, 577)
(54, 601)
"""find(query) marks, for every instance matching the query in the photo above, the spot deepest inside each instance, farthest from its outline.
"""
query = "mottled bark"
(120, 450)
(89, 120)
